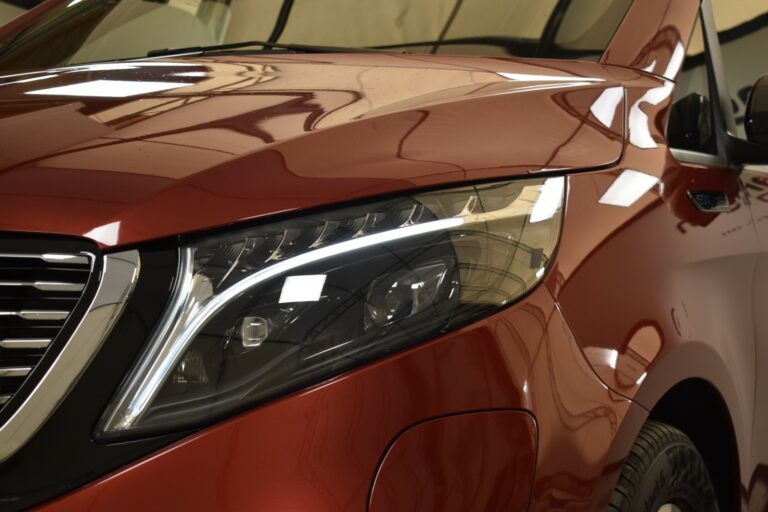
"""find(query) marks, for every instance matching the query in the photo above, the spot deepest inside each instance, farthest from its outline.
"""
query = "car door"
(737, 32)
(707, 195)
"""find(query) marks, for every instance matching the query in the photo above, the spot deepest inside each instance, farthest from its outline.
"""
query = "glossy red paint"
(640, 297)
(250, 137)
(320, 449)
(454, 456)
(653, 37)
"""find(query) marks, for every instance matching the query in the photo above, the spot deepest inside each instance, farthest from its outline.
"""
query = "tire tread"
(640, 469)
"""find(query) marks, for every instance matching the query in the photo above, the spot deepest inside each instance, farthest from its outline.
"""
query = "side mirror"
(690, 124)
(756, 121)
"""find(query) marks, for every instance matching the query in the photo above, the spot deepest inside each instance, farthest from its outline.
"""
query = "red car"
(403, 255)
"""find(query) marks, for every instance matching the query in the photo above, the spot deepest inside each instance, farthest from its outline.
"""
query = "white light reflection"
(604, 108)
(549, 201)
(523, 77)
(118, 66)
(630, 186)
(109, 89)
(302, 288)
(109, 66)
(106, 234)
(650, 68)
(194, 74)
(639, 124)
(675, 62)
(28, 80)
(599, 356)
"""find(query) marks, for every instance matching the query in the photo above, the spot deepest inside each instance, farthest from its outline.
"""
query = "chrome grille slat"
(15, 371)
(59, 258)
(37, 315)
(25, 344)
(38, 292)
(45, 286)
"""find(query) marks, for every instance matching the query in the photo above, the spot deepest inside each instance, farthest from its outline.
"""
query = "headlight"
(264, 311)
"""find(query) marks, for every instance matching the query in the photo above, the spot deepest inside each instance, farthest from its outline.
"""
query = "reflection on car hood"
(129, 151)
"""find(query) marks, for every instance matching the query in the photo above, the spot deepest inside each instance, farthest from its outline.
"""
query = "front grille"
(38, 294)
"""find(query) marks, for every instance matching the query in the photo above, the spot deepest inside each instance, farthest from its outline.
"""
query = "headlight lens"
(267, 310)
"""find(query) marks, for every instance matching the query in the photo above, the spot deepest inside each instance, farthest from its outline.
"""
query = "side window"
(691, 125)
(742, 27)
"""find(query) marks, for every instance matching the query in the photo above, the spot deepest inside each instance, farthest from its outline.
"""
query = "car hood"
(126, 152)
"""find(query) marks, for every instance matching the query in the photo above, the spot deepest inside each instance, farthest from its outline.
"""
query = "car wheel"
(663, 473)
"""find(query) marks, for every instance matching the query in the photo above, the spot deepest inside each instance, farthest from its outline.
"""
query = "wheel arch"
(707, 422)
(692, 390)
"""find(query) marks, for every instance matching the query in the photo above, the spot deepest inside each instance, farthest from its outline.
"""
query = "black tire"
(663, 468)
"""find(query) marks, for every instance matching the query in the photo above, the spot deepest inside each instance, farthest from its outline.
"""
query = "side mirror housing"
(756, 121)
(690, 124)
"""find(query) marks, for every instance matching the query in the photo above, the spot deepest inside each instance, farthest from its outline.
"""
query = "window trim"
(697, 157)
(719, 83)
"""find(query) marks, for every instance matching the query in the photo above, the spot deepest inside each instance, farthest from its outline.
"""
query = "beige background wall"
(8, 12)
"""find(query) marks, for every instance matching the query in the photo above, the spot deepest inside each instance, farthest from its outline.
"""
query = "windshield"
(84, 31)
